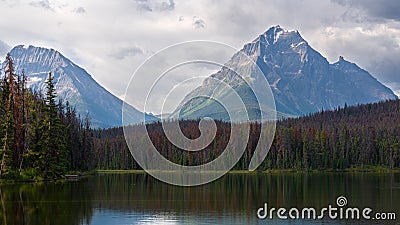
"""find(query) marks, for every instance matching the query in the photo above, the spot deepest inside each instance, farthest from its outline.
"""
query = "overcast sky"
(110, 39)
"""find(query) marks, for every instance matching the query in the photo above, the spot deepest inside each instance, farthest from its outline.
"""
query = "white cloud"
(45, 4)
(4, 49)
(198, 22)
(123, 52)
(79, 10)
(154, 5)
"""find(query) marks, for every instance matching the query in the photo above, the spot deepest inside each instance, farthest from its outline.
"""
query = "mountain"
(72, 84)
(301, 79)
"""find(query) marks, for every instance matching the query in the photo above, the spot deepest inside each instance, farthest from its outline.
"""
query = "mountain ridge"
(73, 84)
(301, 79)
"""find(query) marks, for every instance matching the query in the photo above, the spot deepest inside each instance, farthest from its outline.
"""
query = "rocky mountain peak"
(344, 65)
(301, 79)
(273, 34)
(277, 43)
(38, 56)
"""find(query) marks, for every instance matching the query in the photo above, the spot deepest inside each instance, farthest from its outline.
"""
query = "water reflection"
(233, 199)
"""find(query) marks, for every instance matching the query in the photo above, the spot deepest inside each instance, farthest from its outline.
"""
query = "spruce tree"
(52, 155)
(8, 125)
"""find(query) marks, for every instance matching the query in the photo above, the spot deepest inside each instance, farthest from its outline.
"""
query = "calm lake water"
(114, 199)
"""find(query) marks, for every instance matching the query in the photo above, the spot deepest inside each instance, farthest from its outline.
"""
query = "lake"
(137, 198)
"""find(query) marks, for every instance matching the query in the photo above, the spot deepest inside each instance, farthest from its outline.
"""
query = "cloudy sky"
(110, 39)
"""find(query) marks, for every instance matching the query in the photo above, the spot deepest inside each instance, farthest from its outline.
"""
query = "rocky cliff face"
(301, 79)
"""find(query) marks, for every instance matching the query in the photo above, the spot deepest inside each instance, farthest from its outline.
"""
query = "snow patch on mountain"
(274, 85)
(34, 79)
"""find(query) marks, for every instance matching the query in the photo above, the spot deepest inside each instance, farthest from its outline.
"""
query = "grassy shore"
(365, 169)
(120, 171)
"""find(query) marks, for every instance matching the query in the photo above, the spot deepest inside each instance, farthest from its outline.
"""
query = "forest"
(345, 138)
(43, 138)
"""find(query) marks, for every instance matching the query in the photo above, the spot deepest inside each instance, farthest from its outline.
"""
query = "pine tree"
(8, 125)
(52, 143)
(34, 107)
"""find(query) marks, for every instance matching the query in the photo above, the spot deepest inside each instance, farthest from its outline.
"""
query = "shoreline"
(365, 170)
(273, 171)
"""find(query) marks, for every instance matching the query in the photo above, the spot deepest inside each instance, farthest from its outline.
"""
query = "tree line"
(348, 137)
(357, 136)
(40, 136)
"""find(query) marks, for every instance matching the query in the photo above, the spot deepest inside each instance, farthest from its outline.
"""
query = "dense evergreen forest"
(43, 138)
(40, 137)
(349, 137)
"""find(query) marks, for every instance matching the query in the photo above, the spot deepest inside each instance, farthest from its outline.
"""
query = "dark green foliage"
(329, 140)
(39, 137)
(52, 156)
(352, 137)
(8, 149)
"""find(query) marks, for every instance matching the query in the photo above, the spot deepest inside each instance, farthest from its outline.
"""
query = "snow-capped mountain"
(72, 84)
(301, 79)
